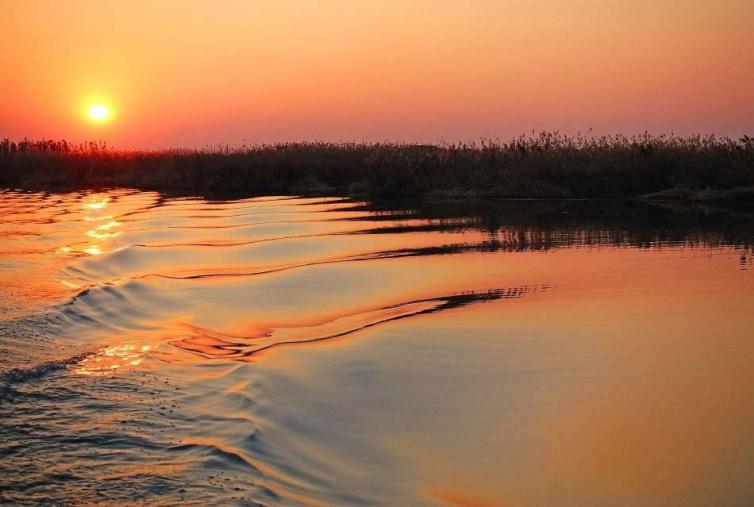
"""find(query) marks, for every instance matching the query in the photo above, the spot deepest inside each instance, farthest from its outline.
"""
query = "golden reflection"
(96, 202)
(112, 360)
(98, 219)
(101, 231)
(93, 250)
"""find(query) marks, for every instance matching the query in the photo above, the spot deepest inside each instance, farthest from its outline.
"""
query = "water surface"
(289, 351)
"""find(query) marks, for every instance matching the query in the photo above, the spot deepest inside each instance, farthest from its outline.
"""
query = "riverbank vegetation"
(548, 165)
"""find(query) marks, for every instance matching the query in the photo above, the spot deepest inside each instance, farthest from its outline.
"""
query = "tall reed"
(548, 165)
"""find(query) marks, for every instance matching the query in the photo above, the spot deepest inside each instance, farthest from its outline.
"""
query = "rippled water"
(285, 351)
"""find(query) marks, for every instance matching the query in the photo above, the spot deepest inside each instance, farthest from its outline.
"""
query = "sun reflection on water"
(96, 202)
(93, 250)
(112, 360)
(98, 218)
(101, 231)
(100, 234)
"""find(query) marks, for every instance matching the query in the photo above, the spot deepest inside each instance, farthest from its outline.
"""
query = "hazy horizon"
(191, 75)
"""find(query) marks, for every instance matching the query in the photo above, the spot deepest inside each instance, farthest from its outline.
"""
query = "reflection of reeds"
(541, 225)
(547, 165)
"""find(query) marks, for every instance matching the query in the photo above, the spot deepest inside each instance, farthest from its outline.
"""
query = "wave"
(213, 345)
(25, 374)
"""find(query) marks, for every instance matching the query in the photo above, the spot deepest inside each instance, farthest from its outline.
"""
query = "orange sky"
(192, 73)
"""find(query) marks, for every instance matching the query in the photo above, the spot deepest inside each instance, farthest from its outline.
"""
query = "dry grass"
(549, 165)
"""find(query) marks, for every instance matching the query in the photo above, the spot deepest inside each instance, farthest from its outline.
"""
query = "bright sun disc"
(98, 112)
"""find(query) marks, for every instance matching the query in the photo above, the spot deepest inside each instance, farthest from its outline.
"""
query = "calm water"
(282, 351)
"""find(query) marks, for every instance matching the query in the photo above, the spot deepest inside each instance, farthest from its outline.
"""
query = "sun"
(98, 112)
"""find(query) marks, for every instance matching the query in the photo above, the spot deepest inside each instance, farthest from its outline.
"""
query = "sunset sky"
(193, 73)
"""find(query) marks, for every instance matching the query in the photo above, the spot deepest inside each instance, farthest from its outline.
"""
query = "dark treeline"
(549, 165)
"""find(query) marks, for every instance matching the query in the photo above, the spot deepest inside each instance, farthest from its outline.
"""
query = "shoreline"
(743, 196)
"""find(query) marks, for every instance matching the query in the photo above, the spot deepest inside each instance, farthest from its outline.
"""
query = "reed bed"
(548, 165)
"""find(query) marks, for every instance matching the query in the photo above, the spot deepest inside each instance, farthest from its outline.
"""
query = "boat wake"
(211, 344)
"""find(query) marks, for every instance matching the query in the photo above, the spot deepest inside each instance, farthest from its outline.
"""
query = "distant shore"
(703, 169)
